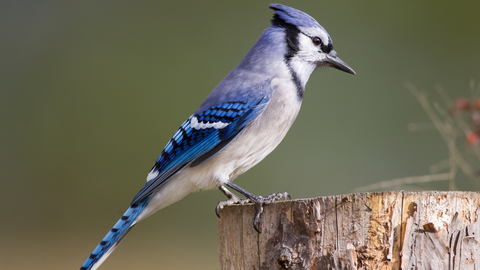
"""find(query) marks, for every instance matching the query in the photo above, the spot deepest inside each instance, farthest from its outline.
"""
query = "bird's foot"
(233, 199)
(259, 201)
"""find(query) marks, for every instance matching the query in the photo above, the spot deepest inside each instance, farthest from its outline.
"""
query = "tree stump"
(384, 230)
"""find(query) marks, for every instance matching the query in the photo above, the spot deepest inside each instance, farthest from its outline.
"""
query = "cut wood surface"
(383, 230)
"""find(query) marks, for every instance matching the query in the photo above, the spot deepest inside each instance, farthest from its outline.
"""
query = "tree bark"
(384, 230)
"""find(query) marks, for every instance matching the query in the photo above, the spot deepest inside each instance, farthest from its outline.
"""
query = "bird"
(240, 122)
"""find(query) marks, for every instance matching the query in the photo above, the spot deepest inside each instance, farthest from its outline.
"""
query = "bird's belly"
(253, 144)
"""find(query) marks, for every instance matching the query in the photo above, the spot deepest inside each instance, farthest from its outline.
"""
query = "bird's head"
(308, 43)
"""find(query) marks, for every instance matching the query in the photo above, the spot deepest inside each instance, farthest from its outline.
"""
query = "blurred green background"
(91, 91)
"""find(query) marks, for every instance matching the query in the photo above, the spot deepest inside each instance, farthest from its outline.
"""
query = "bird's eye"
(317, 41)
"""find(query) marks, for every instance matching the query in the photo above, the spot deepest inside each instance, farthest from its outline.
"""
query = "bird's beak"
(332, 60)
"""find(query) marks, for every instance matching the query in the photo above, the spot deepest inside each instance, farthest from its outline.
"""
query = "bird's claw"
(275, 197)
(259, 201)
(231, 201)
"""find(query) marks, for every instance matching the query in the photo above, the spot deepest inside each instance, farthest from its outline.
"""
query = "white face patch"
(306, 58)
(199, 125)
(302, 68)
(316, 32)
(308, 51)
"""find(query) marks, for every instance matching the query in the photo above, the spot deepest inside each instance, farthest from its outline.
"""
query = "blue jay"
(242, 120)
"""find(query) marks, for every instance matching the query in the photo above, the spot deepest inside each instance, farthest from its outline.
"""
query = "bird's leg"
(259, 201)
(227, 193)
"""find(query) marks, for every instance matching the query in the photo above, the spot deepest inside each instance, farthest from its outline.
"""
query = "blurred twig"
(450, 125)
(403, 181)
(450, 119)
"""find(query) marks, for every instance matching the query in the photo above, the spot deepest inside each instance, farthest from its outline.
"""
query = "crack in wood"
(384, 230)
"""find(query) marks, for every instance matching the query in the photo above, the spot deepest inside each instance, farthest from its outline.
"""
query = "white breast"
(259, 138)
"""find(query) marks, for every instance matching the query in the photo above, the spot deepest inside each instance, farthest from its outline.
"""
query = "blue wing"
(202, 136)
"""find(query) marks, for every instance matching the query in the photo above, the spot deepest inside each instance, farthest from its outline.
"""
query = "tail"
(115, 235)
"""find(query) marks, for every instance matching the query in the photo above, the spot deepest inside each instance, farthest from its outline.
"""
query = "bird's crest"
(292, 16)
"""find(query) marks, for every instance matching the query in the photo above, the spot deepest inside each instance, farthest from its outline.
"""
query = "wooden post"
(384, 230)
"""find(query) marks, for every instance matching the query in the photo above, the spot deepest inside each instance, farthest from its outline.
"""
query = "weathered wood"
(384, 230)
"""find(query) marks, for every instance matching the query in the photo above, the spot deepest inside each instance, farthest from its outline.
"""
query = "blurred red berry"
(472, 138)
(462, 104)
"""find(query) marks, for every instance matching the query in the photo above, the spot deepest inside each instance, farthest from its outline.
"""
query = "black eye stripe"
(326, 48)
(317, 41)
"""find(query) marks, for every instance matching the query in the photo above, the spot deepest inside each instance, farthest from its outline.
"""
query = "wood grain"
(383, 230)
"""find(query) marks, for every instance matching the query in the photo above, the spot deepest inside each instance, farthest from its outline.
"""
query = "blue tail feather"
(115, 235)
